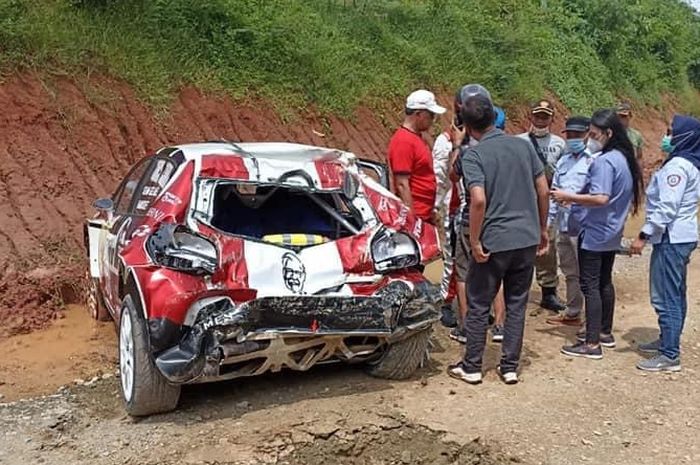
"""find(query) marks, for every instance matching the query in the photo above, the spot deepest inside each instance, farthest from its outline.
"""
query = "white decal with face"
(293, 273)
(277, 271)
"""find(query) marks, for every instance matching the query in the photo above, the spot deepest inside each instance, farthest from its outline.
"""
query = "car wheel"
(401, 359)
(93, 299)
(144, 389)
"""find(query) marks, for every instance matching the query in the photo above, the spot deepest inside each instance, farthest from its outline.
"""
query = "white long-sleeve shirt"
(672, 202)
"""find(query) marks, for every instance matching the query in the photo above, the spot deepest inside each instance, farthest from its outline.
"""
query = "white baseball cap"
(424, 100)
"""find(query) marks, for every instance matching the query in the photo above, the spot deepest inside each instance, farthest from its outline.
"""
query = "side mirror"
(104, 205)
(350, 186)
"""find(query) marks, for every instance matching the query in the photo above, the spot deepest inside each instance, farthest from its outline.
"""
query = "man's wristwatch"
(643, 236)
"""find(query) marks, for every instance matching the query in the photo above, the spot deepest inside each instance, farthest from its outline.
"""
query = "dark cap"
(577, 124)
(623, 108)
(542, 106)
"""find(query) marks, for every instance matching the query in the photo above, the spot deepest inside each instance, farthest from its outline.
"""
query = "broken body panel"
(221, 305)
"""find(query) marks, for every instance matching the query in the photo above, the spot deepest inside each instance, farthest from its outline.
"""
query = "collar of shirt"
(495, 132)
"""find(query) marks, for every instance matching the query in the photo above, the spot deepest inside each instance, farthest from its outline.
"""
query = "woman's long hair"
(607, 119)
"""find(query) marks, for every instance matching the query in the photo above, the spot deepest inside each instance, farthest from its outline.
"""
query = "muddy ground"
(563, 412)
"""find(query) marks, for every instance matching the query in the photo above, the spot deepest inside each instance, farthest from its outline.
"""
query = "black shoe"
(550, 300)
(447, 316)
(581, 349)
(458, 335)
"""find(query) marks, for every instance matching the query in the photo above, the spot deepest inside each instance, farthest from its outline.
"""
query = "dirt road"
(563, 412)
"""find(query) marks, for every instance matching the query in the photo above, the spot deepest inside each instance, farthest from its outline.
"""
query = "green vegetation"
(337, 53)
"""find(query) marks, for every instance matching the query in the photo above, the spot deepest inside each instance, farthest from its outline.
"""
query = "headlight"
(394, 250)
(176, 247)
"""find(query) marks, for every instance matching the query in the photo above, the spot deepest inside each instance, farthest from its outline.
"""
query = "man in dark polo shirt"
(410, 158)
(507, 229)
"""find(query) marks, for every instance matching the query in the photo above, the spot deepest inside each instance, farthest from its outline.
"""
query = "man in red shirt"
(410, 159)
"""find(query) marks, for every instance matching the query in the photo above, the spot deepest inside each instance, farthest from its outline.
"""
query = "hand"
(560, 196)
(637, 246)
(543, 248)
(478, 253)
(457, 135)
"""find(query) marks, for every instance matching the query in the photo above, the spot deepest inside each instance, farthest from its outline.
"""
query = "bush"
(337, 53)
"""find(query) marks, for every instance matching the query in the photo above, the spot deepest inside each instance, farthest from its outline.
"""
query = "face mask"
(666, 145)
(594, 146)
(575, 145)
(680, 138)
(539, 132)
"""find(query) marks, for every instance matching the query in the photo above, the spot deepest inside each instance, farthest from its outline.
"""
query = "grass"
(336, 54)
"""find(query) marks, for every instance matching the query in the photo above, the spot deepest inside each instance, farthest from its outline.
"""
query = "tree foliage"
(338, 53)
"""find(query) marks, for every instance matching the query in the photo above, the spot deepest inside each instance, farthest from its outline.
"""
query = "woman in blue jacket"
(598, 213)
(672, 227)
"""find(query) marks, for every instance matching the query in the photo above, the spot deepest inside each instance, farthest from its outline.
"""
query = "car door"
(115, 228)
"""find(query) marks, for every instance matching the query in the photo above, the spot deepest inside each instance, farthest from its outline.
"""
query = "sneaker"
(448, 317)
(509, 377)
(459, 335)
(581, 349)
(650, 347)
(660, 363)
(606, 340)
(457, 372)
(497, 333)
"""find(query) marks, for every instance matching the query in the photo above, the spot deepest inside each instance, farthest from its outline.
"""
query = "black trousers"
(514, 268)
(595, 277)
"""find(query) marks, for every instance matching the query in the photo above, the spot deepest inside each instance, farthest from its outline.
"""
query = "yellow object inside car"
(295, 239)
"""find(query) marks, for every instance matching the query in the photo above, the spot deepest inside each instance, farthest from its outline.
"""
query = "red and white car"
(220, 260)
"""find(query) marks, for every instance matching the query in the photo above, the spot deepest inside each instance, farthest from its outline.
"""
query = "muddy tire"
(402, 359)
(94, 301)
(144, 390)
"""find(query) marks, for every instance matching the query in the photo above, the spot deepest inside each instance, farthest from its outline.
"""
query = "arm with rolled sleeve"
(662, 209)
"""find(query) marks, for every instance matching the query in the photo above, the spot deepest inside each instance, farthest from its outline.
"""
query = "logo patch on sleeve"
(673, 180)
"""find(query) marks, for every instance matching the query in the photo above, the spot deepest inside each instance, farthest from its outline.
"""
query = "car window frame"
(116, 198)
(149, 171)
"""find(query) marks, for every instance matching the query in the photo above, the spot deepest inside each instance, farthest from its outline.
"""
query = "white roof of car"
(270, 150)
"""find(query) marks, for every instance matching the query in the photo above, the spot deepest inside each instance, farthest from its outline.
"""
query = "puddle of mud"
(74, 347)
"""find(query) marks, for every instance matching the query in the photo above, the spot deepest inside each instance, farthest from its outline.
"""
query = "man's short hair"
(478, 112)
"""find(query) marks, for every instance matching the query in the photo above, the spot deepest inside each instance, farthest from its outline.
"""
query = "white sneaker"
(509, 377)
(457, 372)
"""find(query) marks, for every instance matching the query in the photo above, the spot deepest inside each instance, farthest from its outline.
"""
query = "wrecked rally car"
(221, 260)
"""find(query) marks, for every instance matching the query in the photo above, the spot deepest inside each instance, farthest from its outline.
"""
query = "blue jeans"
(667, 277)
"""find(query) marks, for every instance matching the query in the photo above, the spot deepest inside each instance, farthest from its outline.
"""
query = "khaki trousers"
(546, 265)
(567, 247)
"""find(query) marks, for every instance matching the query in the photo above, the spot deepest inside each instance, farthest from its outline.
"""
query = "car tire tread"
(403, 358)
(152, 393)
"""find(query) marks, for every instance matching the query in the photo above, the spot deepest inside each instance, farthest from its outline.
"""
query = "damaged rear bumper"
(267, 334)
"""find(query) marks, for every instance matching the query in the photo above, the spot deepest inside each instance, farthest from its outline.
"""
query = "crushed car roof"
(267, 162)
(269, 150)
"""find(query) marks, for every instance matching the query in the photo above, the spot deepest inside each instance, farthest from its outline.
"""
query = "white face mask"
(593, 145)
(539, 132)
